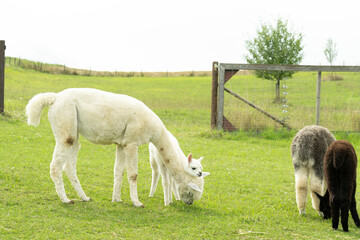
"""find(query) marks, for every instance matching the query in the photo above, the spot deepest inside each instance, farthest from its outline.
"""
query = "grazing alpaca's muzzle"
(190, 193)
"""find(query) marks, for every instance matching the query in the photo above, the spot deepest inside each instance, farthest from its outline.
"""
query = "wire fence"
(339, 106)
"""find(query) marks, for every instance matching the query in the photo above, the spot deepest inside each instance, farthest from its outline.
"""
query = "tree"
(330, 51)
(275, 45)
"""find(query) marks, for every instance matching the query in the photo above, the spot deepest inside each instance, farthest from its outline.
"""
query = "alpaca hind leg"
(154, 176)
(56, 168)
(166, 185)
(118, 173)
(70, 170)
(301, 187)
(175, 190)
(316, 186)
(335, 210)
(63, 119)
(353, 210)
(344, 209)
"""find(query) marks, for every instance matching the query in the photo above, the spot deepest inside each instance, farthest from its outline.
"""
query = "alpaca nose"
(200, 174)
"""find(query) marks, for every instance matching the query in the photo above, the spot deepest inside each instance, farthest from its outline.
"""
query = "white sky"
(172, 35)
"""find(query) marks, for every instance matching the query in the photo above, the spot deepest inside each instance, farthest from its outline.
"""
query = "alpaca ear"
(327, 194)
(195, 187)
(319, 196)
(204, 174)
(200, 159)
(190, 158)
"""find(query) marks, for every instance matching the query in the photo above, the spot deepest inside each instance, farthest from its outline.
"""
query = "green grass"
(249, 194)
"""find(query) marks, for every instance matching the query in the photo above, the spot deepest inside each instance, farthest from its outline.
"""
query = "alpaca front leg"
(167, 189)
(131, 156)
(118, 173)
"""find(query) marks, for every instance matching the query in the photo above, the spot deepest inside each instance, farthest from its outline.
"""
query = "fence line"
(63, 69)
(224, 71)
(257, 108)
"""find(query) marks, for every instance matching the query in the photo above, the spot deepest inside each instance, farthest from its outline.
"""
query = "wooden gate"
(223, 72)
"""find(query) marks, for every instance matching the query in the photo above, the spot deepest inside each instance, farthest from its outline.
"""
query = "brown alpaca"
(340, 164)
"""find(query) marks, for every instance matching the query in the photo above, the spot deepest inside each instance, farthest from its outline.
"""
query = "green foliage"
(275, 45)
(330, 51)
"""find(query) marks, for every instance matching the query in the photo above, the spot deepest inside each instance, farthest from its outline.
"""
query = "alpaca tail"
(36, 105)
(338, 160)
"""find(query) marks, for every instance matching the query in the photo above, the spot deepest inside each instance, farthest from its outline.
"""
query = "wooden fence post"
(2, 75)
(318, 92)
(220, 106)
(214, 94)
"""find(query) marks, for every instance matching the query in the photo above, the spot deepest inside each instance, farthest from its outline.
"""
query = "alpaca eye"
(193, 168)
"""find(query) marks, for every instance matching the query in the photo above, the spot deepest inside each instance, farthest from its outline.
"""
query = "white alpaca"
(193, 167)
(108, 118)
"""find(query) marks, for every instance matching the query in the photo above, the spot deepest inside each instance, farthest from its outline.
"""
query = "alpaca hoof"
(70, 202)
(87, 200)
(138, 204)
(116, 200)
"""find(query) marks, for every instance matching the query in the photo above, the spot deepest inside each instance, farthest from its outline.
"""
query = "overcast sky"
(169, 35)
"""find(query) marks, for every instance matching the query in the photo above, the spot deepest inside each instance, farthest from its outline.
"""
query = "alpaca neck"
(172, 156)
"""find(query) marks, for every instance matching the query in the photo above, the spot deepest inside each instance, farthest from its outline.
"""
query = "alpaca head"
(324, 204)
(194, 167)
(191, 191)
(191, 187)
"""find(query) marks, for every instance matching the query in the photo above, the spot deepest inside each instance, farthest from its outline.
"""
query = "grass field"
(249, 194)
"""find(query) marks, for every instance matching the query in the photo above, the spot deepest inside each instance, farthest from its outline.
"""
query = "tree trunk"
(277, 85)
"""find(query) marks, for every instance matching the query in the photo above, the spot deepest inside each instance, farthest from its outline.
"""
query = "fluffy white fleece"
(108, 118)
(192, 167)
